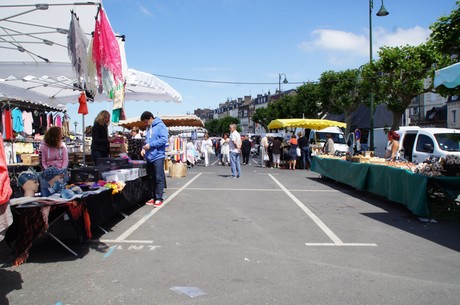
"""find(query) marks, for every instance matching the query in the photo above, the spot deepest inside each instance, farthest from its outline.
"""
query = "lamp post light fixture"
(285, 81)
(75, 123)
(381, 13)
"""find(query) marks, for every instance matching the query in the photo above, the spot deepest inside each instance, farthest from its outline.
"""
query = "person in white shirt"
(206, 149)
(263, 151)
(235, 147)
(225, 150)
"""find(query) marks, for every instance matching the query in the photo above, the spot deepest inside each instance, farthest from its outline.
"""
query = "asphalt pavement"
(273, 236)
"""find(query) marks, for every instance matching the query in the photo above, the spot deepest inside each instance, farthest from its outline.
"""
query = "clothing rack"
(27, 105)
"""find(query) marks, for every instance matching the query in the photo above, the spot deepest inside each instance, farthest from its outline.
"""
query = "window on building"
(454, 116)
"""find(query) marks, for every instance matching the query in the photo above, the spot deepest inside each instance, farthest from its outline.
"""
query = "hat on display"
(52, 172)
(26, 176)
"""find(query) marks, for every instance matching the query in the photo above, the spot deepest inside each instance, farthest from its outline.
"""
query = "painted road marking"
(111, 249)
(153, 212)
(335, 239)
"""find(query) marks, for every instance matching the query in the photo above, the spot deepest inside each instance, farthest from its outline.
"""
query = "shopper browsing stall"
(156, 137)
(100, 146)
(329, 148)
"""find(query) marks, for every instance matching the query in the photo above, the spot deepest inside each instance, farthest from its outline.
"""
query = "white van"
(418, 144)
(319, 137)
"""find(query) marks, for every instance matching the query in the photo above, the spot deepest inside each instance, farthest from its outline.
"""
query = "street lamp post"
(382, 12)
(75, 123)
(285, 81)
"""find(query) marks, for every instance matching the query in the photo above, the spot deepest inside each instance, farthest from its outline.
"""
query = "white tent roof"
(35, 64)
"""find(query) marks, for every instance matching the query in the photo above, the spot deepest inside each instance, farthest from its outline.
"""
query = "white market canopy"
(34, 60)
(448, 76)
(53, 84)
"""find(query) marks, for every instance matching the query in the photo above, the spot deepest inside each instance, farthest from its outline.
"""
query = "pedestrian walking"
(235, 147)
(263, 151)
(206, 149)
(156, 137)
(246, 149)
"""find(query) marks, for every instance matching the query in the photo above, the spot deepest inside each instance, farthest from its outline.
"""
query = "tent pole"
(84, 138)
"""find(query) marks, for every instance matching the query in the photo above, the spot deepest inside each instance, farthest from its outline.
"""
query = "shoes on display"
(150, 202)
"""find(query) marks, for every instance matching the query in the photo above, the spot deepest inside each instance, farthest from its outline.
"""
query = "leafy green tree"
(327, 81)
(399, 76)
(307, 101)
(445, 33)
(225, 122)
(262, 116)
(346, 94)
(212, 126)
(445, 38)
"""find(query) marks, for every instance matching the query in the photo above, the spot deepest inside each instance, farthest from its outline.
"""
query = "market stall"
(399, 184)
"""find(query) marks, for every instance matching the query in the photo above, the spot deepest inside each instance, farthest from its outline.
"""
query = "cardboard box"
(30, 159)
(177, 170)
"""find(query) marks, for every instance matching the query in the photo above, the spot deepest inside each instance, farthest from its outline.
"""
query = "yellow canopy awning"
(304, 123)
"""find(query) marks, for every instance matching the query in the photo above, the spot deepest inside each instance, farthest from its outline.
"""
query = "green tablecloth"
(396, 184)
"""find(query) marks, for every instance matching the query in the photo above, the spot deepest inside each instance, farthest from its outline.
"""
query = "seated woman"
(53, 150)
(55, 160)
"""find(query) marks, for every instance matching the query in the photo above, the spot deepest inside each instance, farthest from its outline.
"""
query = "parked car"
(418, 144)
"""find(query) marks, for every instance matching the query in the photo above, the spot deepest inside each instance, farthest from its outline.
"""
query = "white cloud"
(341, 46)
(332, 40)
(400, 37)
(144, 10)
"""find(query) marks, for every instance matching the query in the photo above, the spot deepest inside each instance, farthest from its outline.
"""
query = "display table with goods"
(86, 202)
(402, 182)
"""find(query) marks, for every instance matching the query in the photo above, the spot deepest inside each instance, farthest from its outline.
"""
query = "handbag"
(266, 158)
(298, 152)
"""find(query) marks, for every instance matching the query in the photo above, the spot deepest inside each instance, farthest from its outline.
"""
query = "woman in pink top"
(53, 150)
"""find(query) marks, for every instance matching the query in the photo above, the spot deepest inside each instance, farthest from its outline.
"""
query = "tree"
(307, 101)
(225, 122)
(445, 38)
(212, 126)
(399, 76)
(346, 94)
(261, 116)
(445, 34)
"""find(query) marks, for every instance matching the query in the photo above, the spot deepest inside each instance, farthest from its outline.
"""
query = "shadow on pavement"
(443, 232)
(9, 280)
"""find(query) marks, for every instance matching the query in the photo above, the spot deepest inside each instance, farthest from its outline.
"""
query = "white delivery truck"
(319, 137)
(418, 144)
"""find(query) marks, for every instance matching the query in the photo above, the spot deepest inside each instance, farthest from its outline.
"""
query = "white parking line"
(335, 239)
(153, 212)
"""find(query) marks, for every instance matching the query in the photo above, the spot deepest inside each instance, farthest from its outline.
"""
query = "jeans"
(235, 164)
(96, 155)
(305, 157)
(156, 176)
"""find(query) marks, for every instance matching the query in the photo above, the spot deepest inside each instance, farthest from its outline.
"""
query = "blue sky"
(252, 41)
